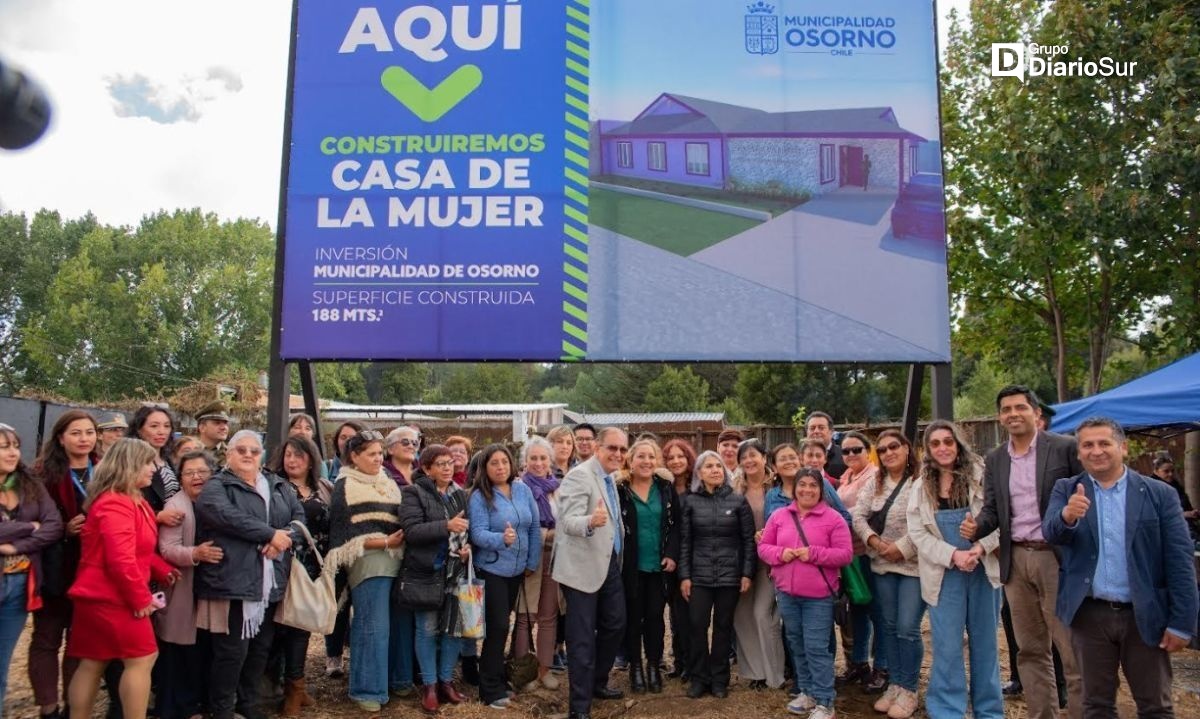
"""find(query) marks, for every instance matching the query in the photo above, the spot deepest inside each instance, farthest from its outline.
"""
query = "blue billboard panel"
(668, 180)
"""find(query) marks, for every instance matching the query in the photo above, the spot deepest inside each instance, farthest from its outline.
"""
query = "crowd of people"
(161, 562)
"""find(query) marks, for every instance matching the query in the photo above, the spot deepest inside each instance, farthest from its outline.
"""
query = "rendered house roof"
(709, 117)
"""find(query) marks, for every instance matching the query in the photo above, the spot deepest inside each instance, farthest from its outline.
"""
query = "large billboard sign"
(615, 180)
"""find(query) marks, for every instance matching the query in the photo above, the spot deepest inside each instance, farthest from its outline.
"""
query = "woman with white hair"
(247, 514)
(539, 600)
(401, 447)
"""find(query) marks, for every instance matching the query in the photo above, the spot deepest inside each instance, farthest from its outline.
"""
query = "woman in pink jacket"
(806, 544)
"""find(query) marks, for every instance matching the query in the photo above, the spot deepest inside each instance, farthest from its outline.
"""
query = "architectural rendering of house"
(692, 141)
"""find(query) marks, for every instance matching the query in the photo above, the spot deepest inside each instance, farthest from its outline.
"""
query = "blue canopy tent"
(1165, 402)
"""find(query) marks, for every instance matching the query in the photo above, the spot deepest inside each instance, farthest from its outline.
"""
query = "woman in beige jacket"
(959, 580)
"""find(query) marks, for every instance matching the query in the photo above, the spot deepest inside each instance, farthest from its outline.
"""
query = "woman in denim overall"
(959, 580)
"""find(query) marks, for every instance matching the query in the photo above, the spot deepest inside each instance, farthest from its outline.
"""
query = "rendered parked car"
(919, 209)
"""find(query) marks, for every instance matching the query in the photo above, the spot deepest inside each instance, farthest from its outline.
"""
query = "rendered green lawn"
(674, 228)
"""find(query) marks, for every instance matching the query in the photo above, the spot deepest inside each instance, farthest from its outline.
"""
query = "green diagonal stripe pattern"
(575, 181)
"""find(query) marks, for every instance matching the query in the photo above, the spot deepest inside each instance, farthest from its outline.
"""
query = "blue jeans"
(807, 624)
(437, 652)
(900, 603)
(12, 621)
(966, 601)
(863, 621)
(381, 642)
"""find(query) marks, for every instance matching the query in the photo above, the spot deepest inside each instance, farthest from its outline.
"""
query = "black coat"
(717, 539)
(424, 515)
(669, 529)
(231, 515)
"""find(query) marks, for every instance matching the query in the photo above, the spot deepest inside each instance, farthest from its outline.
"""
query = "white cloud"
(220, 65)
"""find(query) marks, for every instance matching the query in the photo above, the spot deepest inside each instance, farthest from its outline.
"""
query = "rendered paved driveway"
(837, 252)
(643, 302)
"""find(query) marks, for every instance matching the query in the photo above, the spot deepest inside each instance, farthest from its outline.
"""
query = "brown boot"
(293, 698)
(429, 699)
(306, 699)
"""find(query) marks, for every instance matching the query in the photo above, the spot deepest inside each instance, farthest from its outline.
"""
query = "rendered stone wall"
(794, 163)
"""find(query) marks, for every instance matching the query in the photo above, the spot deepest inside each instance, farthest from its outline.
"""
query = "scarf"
(542, 487)
(254, 612)
(363, 507)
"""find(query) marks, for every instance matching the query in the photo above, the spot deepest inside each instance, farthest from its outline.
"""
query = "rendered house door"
(850, 164)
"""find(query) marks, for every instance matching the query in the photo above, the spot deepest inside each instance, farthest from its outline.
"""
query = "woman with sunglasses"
(959, 580)
(760, 652)
(401, 447)
(247, 514)
(365, 537)
(864, 637)
(881, 521)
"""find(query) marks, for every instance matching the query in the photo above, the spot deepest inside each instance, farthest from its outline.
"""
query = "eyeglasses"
(581, 440)
(885, 448)
(444, 464)
(370, 435)
(196, 474)
(406, 442)
(853, 450)
(251, 451)
(616, 449)
(935, 443)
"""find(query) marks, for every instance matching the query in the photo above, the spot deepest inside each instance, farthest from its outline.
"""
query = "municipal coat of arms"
(762, 29)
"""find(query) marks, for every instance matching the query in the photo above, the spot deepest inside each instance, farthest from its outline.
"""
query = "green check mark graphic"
(429, 104)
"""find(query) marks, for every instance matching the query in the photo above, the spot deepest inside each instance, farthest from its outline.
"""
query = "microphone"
(24, 109)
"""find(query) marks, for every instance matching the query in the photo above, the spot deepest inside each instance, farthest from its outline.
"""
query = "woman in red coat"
(112, 587)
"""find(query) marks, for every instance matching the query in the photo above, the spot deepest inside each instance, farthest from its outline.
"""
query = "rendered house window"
(912, 160)
(656, 156)
(828, 171)
(697, 158)
(624, 154)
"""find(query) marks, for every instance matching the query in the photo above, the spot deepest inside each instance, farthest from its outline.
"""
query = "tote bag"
(308, 604)
(469, 593)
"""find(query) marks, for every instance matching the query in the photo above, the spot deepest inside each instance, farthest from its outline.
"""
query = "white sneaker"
(822, 712)
(550, 681)
(333, 667)
(500, 703)
(802, 704)
(883, 703)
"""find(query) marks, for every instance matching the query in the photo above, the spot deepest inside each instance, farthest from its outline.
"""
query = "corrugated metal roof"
(466, 408)
(628, 418)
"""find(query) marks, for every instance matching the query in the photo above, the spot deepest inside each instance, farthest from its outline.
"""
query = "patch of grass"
(776, 205)
(674, 228)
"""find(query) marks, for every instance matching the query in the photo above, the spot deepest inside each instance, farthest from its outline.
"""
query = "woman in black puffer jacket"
(247, 514)
(433, 515)
(716, 563)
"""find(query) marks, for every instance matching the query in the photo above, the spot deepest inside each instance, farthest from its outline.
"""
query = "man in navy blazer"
(1127, 584)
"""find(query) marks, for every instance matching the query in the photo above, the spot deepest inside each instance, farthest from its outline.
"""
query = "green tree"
(135, 311)
(32, 252)
(676, 390)
(1065, 194)
(482, 383)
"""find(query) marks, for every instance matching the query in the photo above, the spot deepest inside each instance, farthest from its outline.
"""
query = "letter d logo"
(1008, 60)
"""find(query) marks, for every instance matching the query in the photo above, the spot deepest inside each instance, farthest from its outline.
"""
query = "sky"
(164, 104)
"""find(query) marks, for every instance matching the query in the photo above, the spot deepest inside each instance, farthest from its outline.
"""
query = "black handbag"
(523, 669)
(419, 591)
(878, 520)
(841, 601)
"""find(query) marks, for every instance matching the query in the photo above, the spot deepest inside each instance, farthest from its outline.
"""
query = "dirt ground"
(742, 703)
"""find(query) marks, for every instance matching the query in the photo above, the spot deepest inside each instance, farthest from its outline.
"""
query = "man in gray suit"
(587, 564)
(1018, 479)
